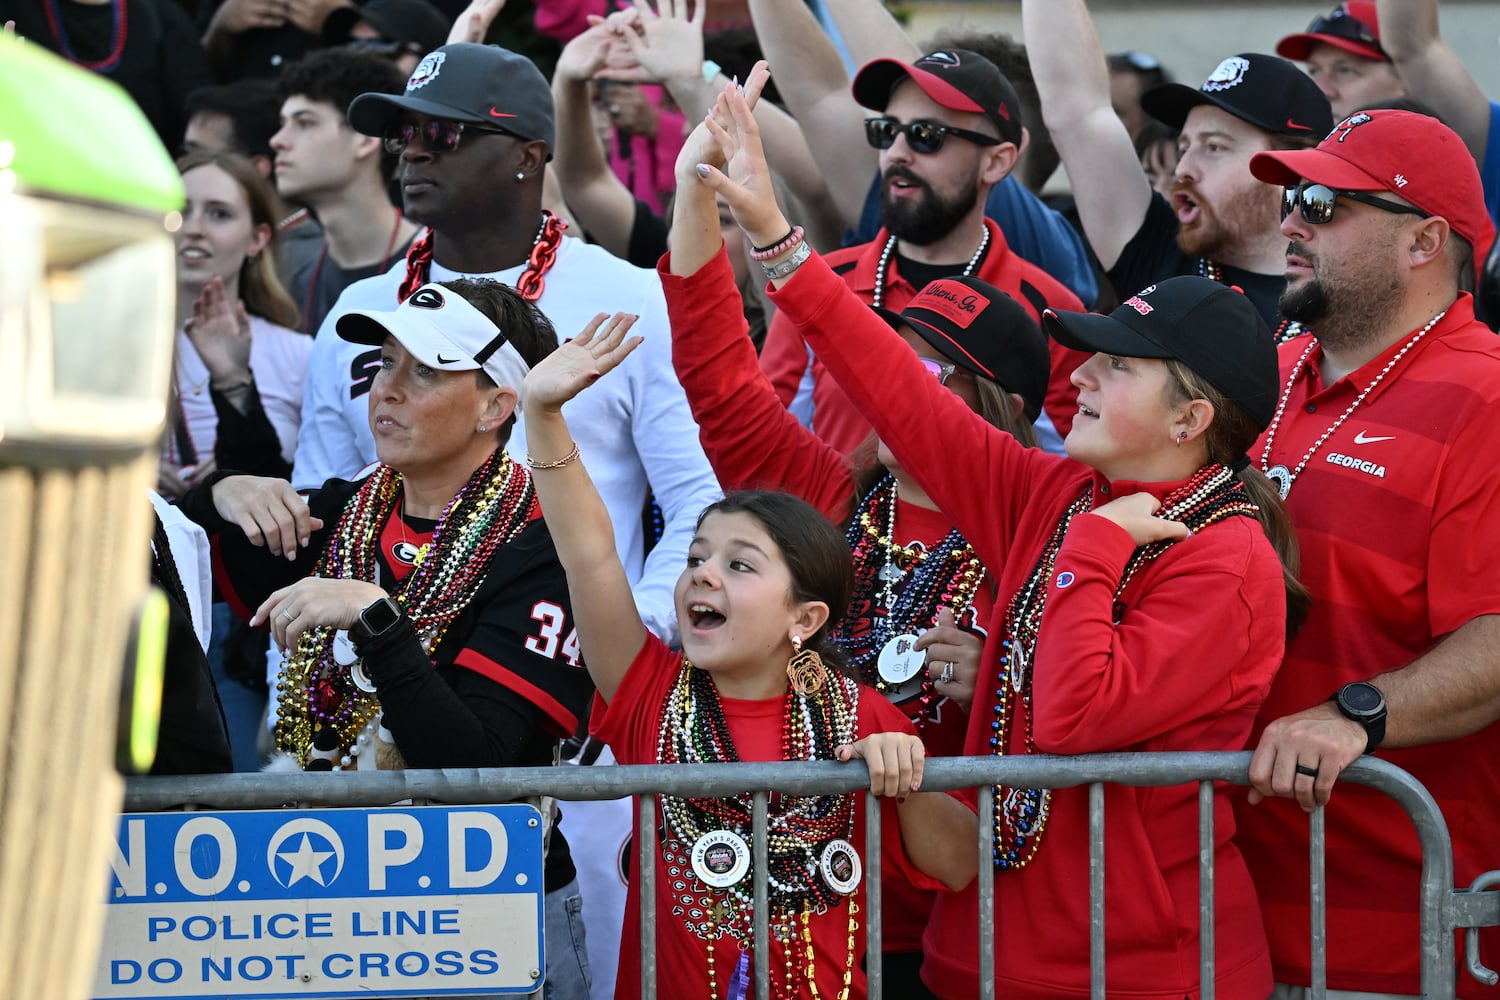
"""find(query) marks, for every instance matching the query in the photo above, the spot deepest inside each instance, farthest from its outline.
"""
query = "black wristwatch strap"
(378, 618)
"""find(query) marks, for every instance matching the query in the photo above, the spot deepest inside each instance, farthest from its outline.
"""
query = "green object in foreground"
(69, 133)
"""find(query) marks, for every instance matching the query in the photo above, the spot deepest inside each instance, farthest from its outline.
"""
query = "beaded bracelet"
(567, 459)
(786, 267)
(781, 246)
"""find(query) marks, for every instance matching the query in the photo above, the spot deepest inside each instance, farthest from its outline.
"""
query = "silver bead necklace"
(890, 248)
(1280, 474)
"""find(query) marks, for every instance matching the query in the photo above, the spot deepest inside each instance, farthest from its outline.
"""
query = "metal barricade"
(1443, 908)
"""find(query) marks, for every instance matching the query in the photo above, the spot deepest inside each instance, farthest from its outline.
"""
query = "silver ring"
(614, 109)
(947, 674)
(1311, 772)
(287, 614)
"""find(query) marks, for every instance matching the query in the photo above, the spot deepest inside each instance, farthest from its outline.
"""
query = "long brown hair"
(260, 287)
(1229, 436)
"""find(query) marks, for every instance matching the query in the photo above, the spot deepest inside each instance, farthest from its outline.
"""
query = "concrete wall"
(1191, 38)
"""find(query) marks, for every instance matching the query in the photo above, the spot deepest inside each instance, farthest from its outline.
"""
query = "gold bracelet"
(567, 459)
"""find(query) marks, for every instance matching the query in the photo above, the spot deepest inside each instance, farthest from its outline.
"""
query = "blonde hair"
(260, 287)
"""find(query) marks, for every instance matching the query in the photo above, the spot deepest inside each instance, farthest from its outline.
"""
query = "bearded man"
(1219, 221)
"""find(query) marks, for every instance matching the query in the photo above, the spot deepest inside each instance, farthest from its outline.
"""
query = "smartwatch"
(1363, 703)
(375, 620)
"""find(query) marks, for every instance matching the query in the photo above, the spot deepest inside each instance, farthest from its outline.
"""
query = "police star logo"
(1349, 124)
(426, 71)
(1228, 74)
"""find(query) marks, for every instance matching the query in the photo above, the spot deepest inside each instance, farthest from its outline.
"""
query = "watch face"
(1362, 698)
(380, 616)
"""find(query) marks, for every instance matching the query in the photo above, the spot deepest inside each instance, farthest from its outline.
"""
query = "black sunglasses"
(1317, 201)
(923, 137)
(1341, 24)
(439, 135)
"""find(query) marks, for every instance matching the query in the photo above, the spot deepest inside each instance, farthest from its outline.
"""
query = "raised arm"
(599, 200)
(810, 75)
(870, 31)
(1432, 71)
(1072, 80)
(610, 629)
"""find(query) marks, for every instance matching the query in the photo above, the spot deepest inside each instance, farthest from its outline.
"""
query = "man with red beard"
(948, 130)
(1220, 221)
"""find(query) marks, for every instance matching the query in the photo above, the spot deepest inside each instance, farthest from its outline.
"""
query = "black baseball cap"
(955, 78)
(1265, 91)
(984, 331)
(465, 82)
(1211, 328)
(414, 21)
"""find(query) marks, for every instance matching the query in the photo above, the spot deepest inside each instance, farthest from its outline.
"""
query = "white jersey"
(633, 428)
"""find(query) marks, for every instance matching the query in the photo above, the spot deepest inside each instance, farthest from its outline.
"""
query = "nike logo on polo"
(447, 361)
(1363, 438)
(499, 114)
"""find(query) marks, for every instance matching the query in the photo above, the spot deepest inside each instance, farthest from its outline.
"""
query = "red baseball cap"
(1414, 156)
(1352, 26)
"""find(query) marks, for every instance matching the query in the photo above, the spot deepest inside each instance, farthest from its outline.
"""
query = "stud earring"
(520, 176)
(483, 428)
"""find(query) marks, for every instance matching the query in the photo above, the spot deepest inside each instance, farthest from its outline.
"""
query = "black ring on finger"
(1311, 772)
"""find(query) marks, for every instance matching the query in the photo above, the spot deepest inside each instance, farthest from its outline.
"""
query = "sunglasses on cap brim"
(439, 135)
(1317, 202)
(921, 136)
(1342, 25)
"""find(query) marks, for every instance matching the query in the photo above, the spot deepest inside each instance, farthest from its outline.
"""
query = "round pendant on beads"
(343, 649)
(360, 678)
(899, 660)
(1282, 477)
(840, 866)
(720, 858)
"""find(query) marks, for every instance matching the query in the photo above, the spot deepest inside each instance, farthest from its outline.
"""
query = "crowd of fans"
(474, 338)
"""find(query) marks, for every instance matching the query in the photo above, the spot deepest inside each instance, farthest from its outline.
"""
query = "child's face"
(734, 600)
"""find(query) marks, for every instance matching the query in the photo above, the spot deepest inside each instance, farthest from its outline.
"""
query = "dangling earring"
(1181, 437)
(805, 669)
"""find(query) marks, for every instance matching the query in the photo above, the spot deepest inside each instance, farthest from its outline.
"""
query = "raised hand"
(474, 23)
(667, 43)
(220, 332)
(745, 179)
(702, 147)
(597, 350)
(953, 656)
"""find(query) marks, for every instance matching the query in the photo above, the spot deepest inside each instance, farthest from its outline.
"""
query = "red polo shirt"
(1398, 514)
(835, 419)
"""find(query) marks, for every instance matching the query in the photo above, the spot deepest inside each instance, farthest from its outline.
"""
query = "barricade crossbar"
(1444, 908)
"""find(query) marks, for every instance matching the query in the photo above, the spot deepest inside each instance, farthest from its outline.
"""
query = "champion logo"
(426, 71)
(1364, 438)
(1228, 74)
(1065, 580)
(1350, 124)
(427, 298)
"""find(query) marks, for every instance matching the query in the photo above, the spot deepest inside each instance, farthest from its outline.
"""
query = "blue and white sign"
(420, 902)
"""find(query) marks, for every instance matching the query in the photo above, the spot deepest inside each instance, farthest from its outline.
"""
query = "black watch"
(1363, 703)
(375, 620)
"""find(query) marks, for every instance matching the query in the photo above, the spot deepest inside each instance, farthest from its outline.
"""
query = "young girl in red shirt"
(763, 571)
(1142, 602)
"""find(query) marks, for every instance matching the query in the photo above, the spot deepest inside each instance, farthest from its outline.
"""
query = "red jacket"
(1185, 669)
(835, 419)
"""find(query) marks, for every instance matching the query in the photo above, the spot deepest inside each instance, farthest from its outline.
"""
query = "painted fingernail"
(702, 169)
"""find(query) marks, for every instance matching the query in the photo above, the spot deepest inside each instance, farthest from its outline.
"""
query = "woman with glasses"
(921, 594)
(1142, 604)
